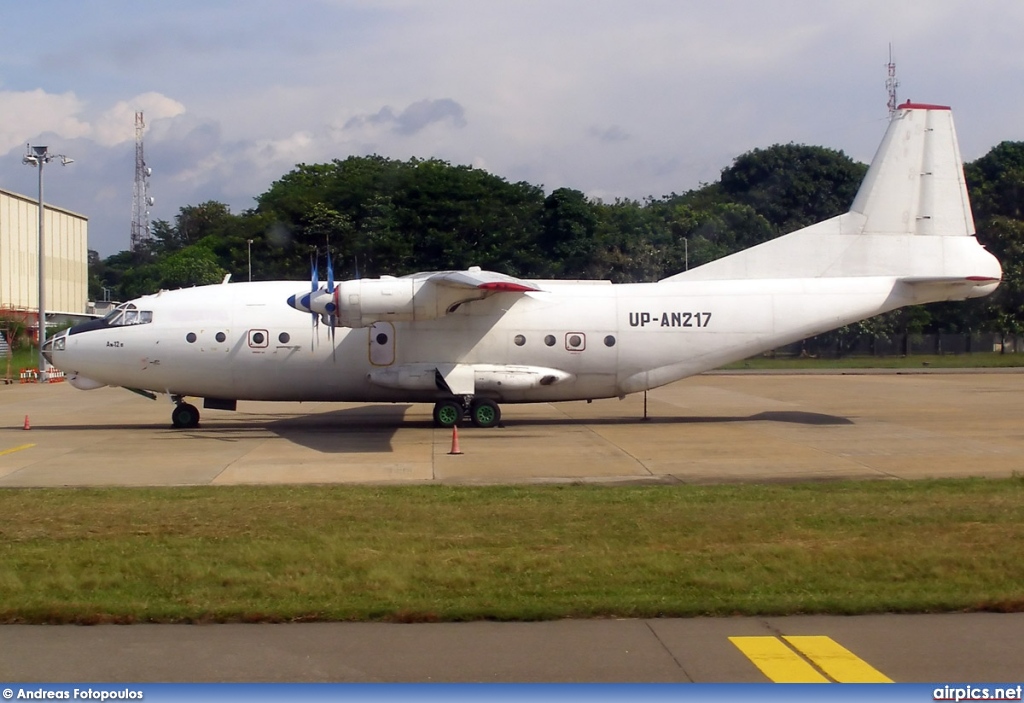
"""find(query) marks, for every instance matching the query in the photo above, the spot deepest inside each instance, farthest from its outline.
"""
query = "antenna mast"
(141, 199)
(891, 84)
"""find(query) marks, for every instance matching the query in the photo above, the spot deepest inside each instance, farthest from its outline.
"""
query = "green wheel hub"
(448, 414)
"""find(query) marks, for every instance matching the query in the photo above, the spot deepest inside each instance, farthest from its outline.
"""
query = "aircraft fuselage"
(240, 341)
(469, 340)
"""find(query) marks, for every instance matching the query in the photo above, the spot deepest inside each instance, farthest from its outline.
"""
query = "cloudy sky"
(614, 98)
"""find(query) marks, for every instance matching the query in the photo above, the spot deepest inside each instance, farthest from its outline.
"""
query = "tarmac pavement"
(902, 648)
(706, 429)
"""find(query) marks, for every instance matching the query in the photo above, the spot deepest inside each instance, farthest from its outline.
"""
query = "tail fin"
(911, 220)
(916, 181)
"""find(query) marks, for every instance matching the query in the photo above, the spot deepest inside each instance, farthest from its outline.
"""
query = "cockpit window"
(128, 314)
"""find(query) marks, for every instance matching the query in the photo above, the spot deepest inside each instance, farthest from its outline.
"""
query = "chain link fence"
(833, 347)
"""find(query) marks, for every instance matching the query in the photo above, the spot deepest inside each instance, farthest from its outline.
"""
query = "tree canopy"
(377, 216)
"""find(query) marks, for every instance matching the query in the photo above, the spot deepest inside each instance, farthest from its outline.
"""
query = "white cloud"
(612, 98)
(117, 124)
(29, 114)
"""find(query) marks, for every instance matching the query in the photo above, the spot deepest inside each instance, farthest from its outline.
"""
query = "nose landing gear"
(184, 414)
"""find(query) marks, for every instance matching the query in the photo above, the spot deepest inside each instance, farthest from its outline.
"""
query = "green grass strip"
(442, 553)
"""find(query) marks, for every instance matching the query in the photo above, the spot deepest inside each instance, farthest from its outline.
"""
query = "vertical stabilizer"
(911, 219)
(916, 181)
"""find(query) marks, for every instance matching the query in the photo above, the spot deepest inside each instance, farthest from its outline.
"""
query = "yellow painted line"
(16, 449)
(777, 661)
(836, 660)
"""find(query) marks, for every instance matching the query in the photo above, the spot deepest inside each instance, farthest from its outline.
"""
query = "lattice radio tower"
(891, 84)
(141, 200)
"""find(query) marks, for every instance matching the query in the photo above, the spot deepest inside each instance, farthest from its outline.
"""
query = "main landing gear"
(482, 412)
(184, 414)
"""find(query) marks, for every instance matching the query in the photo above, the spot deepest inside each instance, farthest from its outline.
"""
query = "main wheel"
(485, 413)
(185, 415)
(447, 413)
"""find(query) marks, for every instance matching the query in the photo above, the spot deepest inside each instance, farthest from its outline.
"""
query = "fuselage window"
(609, 341)
(382, 339)
(190, 337)
(520, 340)
(550, 340)
(283, 338)
(220, 336)
(575, 341)
(258, 339)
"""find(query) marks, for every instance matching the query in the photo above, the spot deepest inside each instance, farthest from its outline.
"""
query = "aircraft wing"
(420, 296)
(475, 278)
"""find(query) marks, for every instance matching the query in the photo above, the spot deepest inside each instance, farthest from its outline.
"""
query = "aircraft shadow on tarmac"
(784, 416)
(370, 428)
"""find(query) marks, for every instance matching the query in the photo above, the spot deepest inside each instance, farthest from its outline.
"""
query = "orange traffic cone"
(455, 440)
(27, 425)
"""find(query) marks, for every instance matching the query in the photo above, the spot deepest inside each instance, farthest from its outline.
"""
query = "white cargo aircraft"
(469, 340)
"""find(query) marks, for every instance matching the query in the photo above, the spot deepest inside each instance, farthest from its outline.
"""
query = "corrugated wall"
(67, 269)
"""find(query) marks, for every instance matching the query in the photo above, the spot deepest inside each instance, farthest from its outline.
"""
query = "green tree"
(635, 243)
(412, 215)
(568, 236)
(793, 185)
(385, 216)
(380, 244)
(996, 182)
(1004, 309)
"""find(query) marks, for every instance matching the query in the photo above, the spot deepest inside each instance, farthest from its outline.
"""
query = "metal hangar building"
(66, 287)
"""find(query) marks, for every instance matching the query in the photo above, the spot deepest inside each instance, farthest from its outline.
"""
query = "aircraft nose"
(54, 344)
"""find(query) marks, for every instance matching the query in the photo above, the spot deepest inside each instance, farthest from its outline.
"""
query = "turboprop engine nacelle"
(362, 302)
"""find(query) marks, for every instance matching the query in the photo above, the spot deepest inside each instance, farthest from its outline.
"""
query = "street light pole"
(249, 242)
(38, 156)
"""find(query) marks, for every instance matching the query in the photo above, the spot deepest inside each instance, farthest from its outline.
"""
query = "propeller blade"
(331, 307)
(314, 285)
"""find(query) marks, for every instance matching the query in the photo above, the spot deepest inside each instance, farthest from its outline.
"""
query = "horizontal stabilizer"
(951, 287)
(950, 280)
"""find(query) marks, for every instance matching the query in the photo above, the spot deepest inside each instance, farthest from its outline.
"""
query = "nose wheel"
(185, 415)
